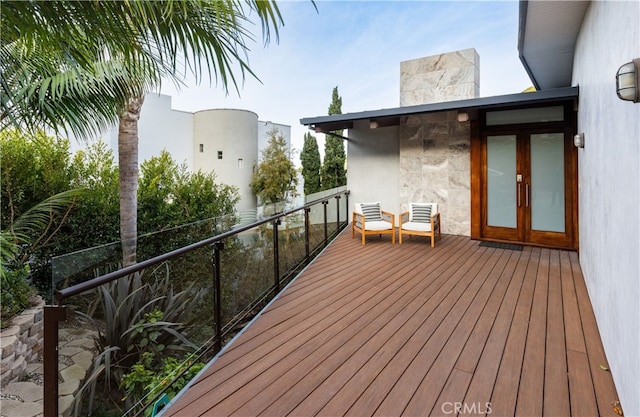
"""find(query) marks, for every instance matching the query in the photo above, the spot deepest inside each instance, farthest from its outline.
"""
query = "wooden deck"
(405, 329)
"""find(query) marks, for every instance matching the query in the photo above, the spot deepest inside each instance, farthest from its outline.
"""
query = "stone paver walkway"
(26, 398)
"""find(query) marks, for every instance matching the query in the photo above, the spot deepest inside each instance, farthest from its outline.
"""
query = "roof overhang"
(392, 117)
(547, 36)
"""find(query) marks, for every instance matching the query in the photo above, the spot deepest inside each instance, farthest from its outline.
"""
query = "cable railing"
(206, 290)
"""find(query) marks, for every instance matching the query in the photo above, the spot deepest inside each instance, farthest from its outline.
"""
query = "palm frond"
(147, 37)
(38, 218)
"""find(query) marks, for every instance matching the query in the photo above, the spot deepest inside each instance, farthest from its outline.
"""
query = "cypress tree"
(333, 169)
(310, 159)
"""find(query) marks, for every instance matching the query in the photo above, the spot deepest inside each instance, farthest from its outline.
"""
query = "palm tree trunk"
(128, 176)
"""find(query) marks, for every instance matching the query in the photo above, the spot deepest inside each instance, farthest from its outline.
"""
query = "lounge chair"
(370, 219)
(422, 219)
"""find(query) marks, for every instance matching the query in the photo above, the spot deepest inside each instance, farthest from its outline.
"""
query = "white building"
(225, 141)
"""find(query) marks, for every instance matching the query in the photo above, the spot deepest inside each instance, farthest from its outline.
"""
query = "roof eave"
(522, 25)
(547, 34)
(390, 117)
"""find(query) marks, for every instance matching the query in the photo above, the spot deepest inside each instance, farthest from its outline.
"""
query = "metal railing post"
(217, 299)
(338, 212)
(52, 315)
(276, 256)
(326, 230)
(307, 225)
(346, 206)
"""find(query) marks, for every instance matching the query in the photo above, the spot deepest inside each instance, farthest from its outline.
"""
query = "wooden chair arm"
(434, 222)
(390, 215)
(358, 219)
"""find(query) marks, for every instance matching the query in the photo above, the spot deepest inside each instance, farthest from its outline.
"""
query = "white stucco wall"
(160, 127)
(263, 134)
(235, 134)
(374, 166)
(609, 186)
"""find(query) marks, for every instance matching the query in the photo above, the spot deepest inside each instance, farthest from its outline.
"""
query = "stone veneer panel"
(438, 78)
(434, 147)
(435, 167)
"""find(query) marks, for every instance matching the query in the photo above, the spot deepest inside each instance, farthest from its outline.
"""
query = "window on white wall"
(240, 163)
(219, 154)
(201, 147)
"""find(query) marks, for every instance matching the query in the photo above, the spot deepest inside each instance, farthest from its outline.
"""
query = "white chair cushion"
(414, 226)
(378, 225)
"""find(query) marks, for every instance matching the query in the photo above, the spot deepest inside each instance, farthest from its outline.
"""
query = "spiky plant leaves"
(122, 312)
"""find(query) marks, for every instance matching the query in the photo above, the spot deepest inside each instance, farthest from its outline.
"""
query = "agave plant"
(138, 317)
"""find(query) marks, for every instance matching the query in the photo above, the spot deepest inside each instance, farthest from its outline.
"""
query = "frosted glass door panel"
(501, 181)
(547, 182)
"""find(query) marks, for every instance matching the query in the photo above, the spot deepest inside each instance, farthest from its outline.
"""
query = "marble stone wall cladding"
(438, 78)
(412, 134)
(435, 167)
(434, 147)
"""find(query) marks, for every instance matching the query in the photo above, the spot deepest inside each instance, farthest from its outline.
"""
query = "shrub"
(146, 380)
(15, 292)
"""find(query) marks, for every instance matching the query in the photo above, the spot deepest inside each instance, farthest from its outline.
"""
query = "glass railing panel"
(247, 274)
(143, 329)
(148, 324)
(292, 244)
(316, 226)
(74, 268)
(332, 215)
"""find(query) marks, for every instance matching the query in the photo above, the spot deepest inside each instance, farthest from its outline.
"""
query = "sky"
(358, 46)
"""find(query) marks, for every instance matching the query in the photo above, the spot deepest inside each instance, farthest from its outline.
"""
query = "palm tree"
(79, 66)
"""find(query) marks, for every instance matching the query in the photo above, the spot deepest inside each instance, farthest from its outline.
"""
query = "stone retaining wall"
(21, 343)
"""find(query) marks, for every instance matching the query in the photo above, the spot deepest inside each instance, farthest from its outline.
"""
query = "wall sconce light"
(578, 140)
(463, 116)
(373, 124)
(628, 81)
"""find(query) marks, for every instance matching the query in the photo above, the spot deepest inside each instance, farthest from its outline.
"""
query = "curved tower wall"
(225, 141)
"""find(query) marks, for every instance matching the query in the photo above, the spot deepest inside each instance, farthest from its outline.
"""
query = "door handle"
(519, 197)
(526, 194)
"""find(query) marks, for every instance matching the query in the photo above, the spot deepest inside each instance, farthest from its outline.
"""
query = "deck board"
(407, 329)
(530, 390)
(556, 384)
(504, 395)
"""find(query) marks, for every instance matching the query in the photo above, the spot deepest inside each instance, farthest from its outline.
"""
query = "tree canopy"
(35, 168)
(275, 177)
(80, 66)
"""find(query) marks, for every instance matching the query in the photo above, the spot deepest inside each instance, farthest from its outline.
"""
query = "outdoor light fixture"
(578, 140)
(463, 116)
(628, 81)
(373, 124)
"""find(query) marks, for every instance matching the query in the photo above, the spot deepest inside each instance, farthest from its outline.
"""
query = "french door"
(527, 187)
